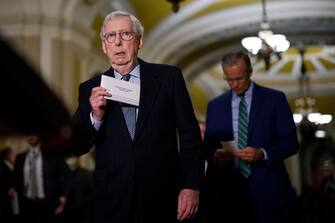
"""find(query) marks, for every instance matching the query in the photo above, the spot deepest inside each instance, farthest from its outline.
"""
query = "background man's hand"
(60, 208)
(249, 154)
(223, 156)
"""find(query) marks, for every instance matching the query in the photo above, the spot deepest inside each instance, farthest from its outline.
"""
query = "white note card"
(229, 145)
(121, 91)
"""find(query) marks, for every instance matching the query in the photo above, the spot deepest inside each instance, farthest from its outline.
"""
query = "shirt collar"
(247, 93)
(35, 149)
(134, 72)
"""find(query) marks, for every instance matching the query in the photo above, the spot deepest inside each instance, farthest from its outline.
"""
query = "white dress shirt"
(39, 172)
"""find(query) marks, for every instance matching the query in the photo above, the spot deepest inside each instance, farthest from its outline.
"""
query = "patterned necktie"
(129, 112)
(33, 175)
(243, 134)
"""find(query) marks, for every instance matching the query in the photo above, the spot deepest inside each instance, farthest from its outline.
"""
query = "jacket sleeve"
(84, 134)
(286, 143)
(191, 149)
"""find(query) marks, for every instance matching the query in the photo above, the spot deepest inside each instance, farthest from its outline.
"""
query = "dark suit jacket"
(141, 179)
(272, 128)
(56, 177)
(7, 179)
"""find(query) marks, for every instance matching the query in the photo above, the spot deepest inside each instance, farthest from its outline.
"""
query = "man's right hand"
(223, 156)
(98, 102)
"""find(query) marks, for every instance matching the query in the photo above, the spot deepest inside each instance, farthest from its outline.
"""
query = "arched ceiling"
(198, 35)
(205, 27)
(202, 31)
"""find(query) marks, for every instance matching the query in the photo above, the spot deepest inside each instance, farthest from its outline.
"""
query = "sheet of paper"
(121, 91)
(15, 204)
(229, 145)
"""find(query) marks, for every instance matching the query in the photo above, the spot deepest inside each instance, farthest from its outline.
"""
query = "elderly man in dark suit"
(248, 182)
(141, 173)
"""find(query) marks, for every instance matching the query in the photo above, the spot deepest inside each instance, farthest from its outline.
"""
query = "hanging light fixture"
(305, 105)
(175, 5)
(266, 43)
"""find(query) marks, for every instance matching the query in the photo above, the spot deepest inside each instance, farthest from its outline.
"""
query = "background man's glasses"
(125, 35)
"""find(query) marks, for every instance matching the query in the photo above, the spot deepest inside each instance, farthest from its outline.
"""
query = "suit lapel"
(227, 108)
(149, 89)
(109, 72)
(256, 103)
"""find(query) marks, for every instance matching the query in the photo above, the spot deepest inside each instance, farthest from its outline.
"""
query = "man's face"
(12, 157)
(237, 77)
(33, 140)
(122, 54)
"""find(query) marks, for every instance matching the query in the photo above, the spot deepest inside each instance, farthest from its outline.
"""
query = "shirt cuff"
(265, 154)
(96, 124)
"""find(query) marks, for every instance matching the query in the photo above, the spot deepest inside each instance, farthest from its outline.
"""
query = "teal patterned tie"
(129, 112)
(243, 134)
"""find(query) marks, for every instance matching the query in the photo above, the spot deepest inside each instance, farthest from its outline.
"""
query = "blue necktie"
(129, 112)
(243, 134)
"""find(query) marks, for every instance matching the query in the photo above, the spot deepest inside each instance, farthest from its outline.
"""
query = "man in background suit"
(8, 195)
(80, 202)
(43, 183)
(141, 174)
(249, 183)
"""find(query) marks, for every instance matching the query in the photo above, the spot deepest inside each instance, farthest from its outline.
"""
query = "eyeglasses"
(237, 79)
(124, 35)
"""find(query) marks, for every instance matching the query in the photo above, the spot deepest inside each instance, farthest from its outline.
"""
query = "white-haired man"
(141, 174)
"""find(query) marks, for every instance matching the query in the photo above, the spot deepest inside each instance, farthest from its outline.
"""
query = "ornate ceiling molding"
(212, 28)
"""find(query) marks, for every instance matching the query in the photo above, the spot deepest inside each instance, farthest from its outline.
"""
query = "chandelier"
(266, 43)
(305, 105)
(175, 5)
